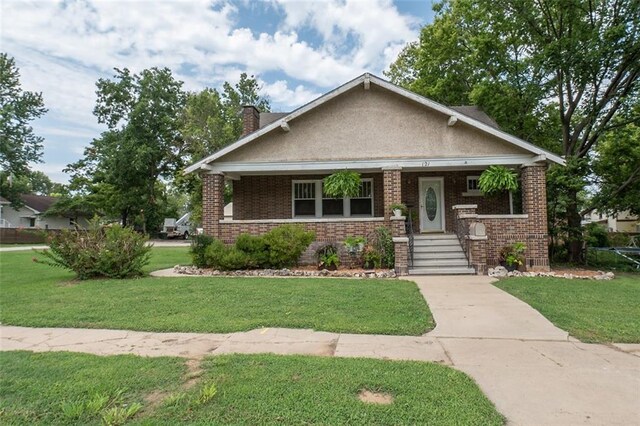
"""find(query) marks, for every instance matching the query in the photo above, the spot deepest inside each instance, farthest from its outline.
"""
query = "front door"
(431, 204)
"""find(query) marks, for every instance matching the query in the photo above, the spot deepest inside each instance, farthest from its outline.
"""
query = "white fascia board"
(413, 164)
(392, 88)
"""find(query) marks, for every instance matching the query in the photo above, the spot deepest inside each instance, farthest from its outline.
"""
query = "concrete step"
(438, 249)
(442, 271)
(435, 243)
(435, 236)
(438, 255)
(445, 263)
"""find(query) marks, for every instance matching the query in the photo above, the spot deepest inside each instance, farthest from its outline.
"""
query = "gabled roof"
(476, 113)
(38, 203)
(368, 79)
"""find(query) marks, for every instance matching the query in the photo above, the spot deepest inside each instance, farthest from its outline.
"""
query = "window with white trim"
(473, 184)
(304, 198)
(309, 200)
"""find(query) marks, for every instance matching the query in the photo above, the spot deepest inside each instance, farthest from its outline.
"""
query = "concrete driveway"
(533, 371)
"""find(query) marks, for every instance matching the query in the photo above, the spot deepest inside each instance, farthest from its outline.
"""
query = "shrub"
(109, 251)
(328, 257)
(214, 253)
(619, 239)
(234, 259)
(198, 249)
(371, 257)
(596, 235)
(513, 254)
(286, 243)
(256, 248)
(383, 244)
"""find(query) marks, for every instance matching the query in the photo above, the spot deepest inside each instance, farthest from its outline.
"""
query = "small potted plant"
(328, 257)
(353, 244)
(512, 256)
(398, 209)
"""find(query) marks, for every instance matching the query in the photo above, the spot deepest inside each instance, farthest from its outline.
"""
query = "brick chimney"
(250, 119)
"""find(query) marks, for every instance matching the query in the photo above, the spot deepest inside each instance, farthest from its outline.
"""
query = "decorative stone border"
(285, 272)
(501, 272)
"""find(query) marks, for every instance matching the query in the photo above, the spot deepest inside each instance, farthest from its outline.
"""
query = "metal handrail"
(409, 229)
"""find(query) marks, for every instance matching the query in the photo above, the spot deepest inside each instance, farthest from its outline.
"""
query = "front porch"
(442, 201)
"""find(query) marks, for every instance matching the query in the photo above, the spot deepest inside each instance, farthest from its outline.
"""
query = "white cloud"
(63, 47)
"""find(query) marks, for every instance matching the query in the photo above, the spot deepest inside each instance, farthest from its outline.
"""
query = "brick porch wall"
(269, 197)
(455, 183)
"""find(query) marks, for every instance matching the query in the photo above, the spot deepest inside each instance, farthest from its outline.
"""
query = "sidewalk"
(534, 372)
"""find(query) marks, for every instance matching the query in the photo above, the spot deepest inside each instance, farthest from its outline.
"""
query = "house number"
(426, 163)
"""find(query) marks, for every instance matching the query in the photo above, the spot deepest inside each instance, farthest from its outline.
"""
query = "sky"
(297, 50)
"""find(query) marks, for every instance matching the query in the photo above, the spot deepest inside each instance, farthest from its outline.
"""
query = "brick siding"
(455, 183)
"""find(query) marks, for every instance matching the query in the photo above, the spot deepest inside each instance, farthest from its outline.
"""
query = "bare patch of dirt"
(577, 271)
(370, 397)
(193, 373)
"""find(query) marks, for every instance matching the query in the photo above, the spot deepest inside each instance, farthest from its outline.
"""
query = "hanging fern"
(342, 184)
(497, 179)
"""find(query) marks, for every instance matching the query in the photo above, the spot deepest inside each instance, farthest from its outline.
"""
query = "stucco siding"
(371, 124)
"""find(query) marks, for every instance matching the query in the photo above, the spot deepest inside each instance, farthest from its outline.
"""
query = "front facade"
(407, 149)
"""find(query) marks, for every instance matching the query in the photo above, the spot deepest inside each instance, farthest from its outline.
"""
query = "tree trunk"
(124, 217)
(574, 225)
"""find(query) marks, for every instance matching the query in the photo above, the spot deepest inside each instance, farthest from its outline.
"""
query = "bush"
(280, 247)
(619, 239)
(328, 257)
(256, 248)
(383, 244)
(596, 235)
(286, 243)
(111, 251)
(198, 249)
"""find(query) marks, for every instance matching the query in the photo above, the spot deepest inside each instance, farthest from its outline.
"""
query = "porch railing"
(409, 228)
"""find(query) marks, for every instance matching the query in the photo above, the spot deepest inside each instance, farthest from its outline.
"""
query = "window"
(472, 184)
(304, 198)
(32, 222)
(362, 205)
(309, 200)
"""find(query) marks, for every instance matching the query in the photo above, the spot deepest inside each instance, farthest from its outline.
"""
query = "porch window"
(362, 205)
(310, 200)
(304, 198)
(473, 187)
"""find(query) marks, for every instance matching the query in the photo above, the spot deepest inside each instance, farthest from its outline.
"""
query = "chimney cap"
(250, 106)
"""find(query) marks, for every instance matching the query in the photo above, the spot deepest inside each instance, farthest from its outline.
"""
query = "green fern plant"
(496, 179)
(344, 183)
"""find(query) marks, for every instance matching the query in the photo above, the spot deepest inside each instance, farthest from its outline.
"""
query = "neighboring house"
(31, 214)
(619, 222)
(408, 149)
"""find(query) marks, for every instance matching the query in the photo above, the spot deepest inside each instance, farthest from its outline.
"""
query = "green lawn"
(249, 390)
(592, 311)
(38, 295)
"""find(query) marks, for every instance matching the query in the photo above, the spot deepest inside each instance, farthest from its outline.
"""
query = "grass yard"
(592, 311)
(38, 295)
(71, 388)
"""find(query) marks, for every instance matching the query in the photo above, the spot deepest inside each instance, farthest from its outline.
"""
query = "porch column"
(400, 245)
(534, 204)
(392, 188)
(212, 203)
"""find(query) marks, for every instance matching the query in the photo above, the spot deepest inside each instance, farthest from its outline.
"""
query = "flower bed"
(285, 272)
(578, 274)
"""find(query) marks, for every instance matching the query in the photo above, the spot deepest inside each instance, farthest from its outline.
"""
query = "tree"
(212, 120)
(120, 169)
(19, 145)
(555, 72)
(617, 169)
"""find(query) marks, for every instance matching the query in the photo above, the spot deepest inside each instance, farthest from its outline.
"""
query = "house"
(408, 149)
(31, 214)
(619, 222)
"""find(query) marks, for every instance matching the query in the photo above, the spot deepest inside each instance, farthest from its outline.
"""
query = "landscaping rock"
(501, 272)
(286, 272)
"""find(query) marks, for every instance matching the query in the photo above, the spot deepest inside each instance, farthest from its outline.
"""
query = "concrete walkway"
(531, 370)
(156, 243)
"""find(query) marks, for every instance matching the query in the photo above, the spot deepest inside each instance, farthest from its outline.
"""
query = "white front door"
(431, 204)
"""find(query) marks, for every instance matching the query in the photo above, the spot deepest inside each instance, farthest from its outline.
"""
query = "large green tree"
(212, 120)
(121, 169)
(19, 145)
(555, 72)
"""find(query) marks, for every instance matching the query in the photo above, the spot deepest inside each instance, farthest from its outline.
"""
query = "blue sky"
(297, 50)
